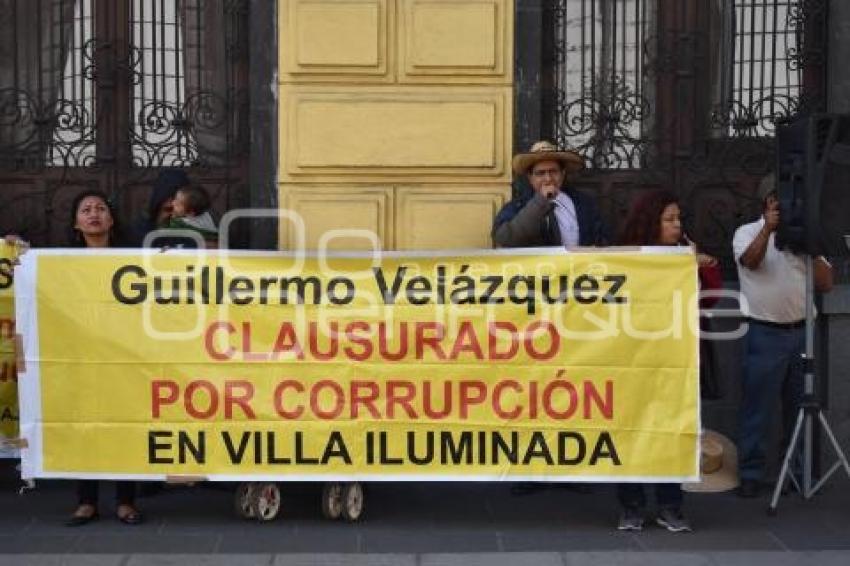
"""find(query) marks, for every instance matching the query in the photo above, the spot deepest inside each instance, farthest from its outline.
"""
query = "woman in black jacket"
(93, 226)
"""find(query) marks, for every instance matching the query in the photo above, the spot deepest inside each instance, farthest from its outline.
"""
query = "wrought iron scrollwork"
(658, 105)
(38, 134)
(93, 109)
(803, 15)
(168, 134)
(604, 129)
(600, 103)
(760, 118)
(756, 110)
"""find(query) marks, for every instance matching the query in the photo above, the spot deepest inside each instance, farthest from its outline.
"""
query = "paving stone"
(62, 560)
(36, 544)
(493, 559)
(200, 560)
(636, 559)
(809, 540)
(827, 558)
(563, 540)
(335, 538)
(422, 541)
(345, 560)
(707, 540)
(144, 544)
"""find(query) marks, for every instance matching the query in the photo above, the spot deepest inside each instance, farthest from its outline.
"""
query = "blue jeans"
(667, 495)
(773, 368)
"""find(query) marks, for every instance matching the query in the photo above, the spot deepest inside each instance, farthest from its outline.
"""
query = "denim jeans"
(667, 495)
(773, 369)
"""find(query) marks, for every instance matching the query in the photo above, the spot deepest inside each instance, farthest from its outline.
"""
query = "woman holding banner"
(654, 220)
(93, 226)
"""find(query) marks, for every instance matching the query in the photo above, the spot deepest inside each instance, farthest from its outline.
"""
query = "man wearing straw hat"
(550, 214)
(547, 214)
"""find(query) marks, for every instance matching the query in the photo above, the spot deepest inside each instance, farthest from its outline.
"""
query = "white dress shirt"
(565, 213)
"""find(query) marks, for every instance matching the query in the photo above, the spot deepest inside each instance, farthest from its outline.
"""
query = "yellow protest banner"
(8, 375)
(527, 364)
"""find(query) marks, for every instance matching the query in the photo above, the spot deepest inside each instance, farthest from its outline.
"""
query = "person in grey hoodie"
(158, 213)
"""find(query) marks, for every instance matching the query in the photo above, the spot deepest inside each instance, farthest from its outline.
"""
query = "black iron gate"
(105, 93)
(683, 95)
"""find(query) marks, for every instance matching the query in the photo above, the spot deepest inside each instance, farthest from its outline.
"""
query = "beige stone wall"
(395, 118)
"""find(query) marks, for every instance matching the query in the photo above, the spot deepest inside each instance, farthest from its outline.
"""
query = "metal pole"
(809, 378)
(810, 410)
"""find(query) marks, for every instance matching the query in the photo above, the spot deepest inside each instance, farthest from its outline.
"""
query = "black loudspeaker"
(813, 185)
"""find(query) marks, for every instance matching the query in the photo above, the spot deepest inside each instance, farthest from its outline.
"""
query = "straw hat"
(718, 464)
(546, 151)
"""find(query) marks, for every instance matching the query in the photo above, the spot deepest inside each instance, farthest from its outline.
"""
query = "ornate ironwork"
(77, 108)
(781, 45)
(601, 104)
(685, 96)
(605, 128)
(758, 118)
(804, 14)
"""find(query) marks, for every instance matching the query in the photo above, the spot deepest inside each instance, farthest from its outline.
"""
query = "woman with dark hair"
(93, 226)
(654, 220)
(93, 221)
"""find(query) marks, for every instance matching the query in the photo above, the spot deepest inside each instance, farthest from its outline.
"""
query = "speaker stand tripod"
(810, 411)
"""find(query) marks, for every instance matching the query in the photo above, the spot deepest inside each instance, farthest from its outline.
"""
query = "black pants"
(125, 492)
(667, 495)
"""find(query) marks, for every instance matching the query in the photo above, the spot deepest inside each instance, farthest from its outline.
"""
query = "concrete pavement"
(825, 558)
(422, 524)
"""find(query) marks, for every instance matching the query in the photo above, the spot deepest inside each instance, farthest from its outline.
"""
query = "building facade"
(391, 123)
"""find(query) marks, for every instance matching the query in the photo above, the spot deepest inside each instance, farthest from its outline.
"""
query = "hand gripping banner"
(508, 365)
(8, 372)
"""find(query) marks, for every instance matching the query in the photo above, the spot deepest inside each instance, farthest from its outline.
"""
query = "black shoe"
(749, 489)
(674, 520)
(631, 519)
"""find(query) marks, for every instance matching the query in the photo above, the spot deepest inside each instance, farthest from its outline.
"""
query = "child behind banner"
(191, 212)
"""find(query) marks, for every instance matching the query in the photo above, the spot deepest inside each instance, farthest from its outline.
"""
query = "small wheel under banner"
(266, 501)
(352, 501)
(243, 500)
(332, 500)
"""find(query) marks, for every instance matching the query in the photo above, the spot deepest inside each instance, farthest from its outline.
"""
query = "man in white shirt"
(773, 286)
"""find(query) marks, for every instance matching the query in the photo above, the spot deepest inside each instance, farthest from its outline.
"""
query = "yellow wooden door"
(395, 122)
